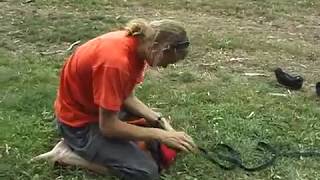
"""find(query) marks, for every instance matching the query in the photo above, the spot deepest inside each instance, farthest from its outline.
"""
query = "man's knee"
(148, 172)
(151, 173)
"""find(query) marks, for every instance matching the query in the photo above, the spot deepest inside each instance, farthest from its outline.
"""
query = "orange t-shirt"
(100, 73)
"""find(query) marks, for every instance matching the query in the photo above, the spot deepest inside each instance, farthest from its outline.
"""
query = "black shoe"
(292, 82)
(318, 88)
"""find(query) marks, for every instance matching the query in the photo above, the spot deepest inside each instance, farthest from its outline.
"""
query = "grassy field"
(207, 95)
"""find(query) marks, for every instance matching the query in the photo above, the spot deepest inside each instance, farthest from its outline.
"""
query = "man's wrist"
(155, 117)
(158, 134)
(159, 117)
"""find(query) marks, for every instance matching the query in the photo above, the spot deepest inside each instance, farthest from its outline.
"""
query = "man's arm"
(137, 107)
(111, 126)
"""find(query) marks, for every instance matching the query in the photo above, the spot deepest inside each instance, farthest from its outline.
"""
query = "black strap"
(266, 162)
(232, 159)
(228, 158)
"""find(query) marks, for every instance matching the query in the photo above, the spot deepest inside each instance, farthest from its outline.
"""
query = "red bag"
(161, 153)
(168, 156)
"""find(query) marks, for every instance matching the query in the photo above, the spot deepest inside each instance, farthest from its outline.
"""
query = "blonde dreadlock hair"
(140, 28)
(160, 31)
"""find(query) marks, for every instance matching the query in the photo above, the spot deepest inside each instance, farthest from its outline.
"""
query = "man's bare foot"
(62, 154)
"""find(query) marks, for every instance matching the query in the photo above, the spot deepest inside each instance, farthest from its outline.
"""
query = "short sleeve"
(109, 87)
(141, 75)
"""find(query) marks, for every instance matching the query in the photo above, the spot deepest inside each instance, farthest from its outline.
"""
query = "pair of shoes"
(292, 82)
(318, 88)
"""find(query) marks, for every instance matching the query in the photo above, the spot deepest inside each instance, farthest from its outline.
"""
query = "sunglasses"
(178, 46)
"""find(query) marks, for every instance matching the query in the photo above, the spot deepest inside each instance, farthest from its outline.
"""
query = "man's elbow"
(129, 99)
(108, 123)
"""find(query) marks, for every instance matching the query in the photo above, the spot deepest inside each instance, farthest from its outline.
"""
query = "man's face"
(166, 54)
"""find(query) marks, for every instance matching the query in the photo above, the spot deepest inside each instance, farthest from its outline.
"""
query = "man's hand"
(178, 140)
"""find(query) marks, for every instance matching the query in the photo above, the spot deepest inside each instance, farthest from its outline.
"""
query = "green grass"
(211, 103)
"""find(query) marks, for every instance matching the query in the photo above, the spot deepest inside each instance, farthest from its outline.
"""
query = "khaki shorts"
(125, 158)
